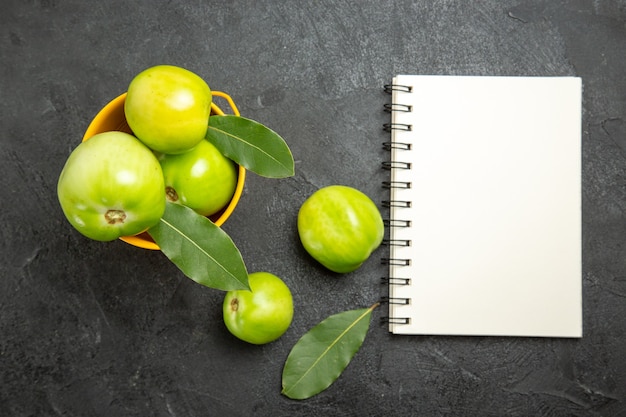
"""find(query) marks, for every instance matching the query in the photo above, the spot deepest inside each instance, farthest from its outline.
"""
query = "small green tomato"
(261, 315)
(202, 179)
(340, 227)
(168, 108)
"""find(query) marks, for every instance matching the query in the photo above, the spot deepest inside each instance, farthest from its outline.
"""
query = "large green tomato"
(111, 186)
(261, 315)
(202, 178)
(340, 227)
(168, 108)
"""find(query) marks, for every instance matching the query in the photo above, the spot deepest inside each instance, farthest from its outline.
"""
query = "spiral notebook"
(485, 206)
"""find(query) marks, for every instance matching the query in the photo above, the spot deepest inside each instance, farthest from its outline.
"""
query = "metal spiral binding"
(392, 300)
(396, 165)
(395, 320)
(397, 126)
(396, 261)
(401, 301)
(389, 88)
(395, 281)
(396, 242)
(396, 223)
(396, 145)
(389, 107)
(396, 184)
(396, 203)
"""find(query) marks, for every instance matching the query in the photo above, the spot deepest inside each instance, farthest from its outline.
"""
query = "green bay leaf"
(322, 354)
(200, 249)
(251, 145)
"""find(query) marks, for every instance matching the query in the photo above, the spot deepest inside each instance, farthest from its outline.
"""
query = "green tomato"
(261, 315)
(111, 186)
(340, 227)
(202, 178)
(168, 108)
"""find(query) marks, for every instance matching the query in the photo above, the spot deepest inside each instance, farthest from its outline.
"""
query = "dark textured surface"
(93, 329)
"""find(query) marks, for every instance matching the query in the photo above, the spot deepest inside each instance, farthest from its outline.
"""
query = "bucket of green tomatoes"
(145, 147)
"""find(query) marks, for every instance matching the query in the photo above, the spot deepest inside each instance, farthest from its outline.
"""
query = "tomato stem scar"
(171, 194)
(115, 216)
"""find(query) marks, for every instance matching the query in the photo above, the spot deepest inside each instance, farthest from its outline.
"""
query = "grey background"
(93, 329)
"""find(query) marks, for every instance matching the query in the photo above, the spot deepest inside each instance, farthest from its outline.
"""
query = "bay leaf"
(200, 249)
(322, 354)
(251, 145)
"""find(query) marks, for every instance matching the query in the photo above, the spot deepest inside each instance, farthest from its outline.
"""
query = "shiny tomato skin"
(168, 107)
(261, 315)
(202, 178)
(111, 186)
(340, 227)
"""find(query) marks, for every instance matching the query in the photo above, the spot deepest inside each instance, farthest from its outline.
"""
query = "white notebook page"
(495, 206)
